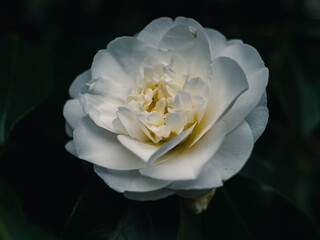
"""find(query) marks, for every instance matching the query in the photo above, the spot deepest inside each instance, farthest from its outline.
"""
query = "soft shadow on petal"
(69, 130)
(228, 83)
(121, 61)
(131, 180)
(207, 179)
(258, 118)
(101, 147)
(78, 83)
(73, 112)
(150, 152)
(183, 163)
(226, 162)
(131, 124)
(149, 196)
(233, 152)
(257, 75)
(154, 31)
(71, 148)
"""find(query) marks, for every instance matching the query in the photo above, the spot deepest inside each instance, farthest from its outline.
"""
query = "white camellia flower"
(174, 110)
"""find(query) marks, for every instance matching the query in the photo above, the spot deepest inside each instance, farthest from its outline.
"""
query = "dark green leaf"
(8, 199)
(13, 225)
(190, 224)
(96, 213)
(136, 224)
(26, 81)
(16, 227)
(244, 209)
(101, 213)
(297, 97)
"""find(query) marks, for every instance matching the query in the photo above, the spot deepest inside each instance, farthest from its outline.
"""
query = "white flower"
(175, 110)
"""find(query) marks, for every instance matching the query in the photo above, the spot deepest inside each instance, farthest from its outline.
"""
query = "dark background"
(45, 44)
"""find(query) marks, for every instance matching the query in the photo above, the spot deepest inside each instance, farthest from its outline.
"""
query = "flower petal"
(69, 130)
(183, 163)
(233, 152)
(258, 118)
(257, 75)
(149, 196)
(130, 123)
(101, 147)
(217, 41)
(226, 162)
(150, 152)
(131, 180)
(121, 61)
(78, 83)
(71, 148)
(207, 179)
(191, 43)
(101, 99)
(228, 83)
(73, 112)
(155, 30)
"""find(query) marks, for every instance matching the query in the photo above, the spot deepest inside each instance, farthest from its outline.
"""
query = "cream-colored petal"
(101, 147)
(131, 124)
(228, 83)
(258, 118)
(101, 99)
(73, 112)
(217, 41)
(257, 75)
(233, 152)
(78, 83)
(130, 180)
(150, 152)
(183, 163)
(155, 30)
(226, 162)
(71, 148)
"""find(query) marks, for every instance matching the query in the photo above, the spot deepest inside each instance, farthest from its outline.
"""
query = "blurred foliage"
(45, 193)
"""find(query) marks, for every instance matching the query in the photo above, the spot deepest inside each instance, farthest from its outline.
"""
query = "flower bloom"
(174, 110)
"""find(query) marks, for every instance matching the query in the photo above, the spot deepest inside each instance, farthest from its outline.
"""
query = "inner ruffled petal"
(162, 104)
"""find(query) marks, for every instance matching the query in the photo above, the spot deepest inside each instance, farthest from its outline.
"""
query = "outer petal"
(101, 147)
(257, 74)
(258, 118)
(131, 180)
(217, 41)
(207, 179)
(228, 83)
(69, 130)
(71, 149)
(73, 112)
(228, 160)
(234, 152)
(154, 31)
(192, 44)
(183, 163)
(78, 83)
(121, 61)
(149, 196)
